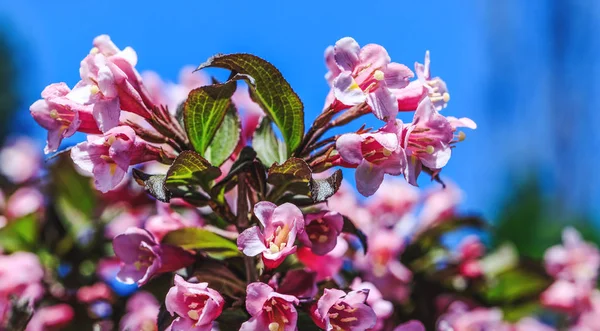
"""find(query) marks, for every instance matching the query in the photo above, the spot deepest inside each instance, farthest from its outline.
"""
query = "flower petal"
(368, 178)
(263, 210)
(251, 241)
(256, 295)
(397, 75)
(349, 146)
(346, 52)
(383, 103)
(347, 91)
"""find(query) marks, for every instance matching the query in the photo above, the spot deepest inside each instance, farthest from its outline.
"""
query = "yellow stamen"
(349, 319)
(193, 314)
(274, 326)
(322, 239)
(94, 89)
(429, 149)
(378, 74)
(333, 315)
(54, 114)
(94, 50)
(461, 136)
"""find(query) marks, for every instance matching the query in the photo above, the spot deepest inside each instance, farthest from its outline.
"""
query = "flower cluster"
(210, 220)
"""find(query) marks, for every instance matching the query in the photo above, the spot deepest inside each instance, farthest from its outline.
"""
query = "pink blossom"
(382, 308)
(20, 160)
(567, 296)
(321, 231)
(425, 86)
(574, 260)
(61, 116)
(51, 318)
(365, 76)
(20, 274)
(531, 324)
(173, 94)
(410, 326)
(25, 201)
(326, 266)
(97, 291)
(195, 304)
(275, 241)
(459, 317)
(440, 204)
(470, 249)
(167, 220)
(373, 155)
(338, 310)
(109, 82)
(108, 157)
(130, 217)
(270, 310)
(142, 257)
(142, 311)
(393, 200)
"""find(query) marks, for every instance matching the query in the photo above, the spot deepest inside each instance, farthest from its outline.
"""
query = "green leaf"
(293, 175)
(209, 242)
(516, 284)
(350, 228)
(226, 138)
(153, 184)
(19, 235)
(190, 168)
(322, 189)
(204, 111)
(270, 150)
(270, 90)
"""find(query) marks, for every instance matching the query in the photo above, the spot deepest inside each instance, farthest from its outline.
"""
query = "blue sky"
(53, 36)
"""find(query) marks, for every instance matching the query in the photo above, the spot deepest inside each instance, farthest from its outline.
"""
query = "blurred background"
(525, 71)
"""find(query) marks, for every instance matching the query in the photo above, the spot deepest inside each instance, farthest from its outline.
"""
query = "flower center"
(318, 231)
(341, 316)
(277, 311)
(278, 240)
(195, 303)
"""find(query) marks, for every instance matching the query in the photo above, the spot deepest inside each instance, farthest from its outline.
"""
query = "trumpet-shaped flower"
(61, 116)
(280, 226)
(435, 88)
(365, 75)
(373, 155)
(108, 157)
(270, 310)
(195, 304)
(337, 310)
(574, 260)
(321, 231)
(142, 257)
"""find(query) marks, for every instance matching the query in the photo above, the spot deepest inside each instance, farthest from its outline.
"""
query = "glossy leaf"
(189, 168)
(270, 150)
(270, 90)
(226, 138)
(153, 185)
(204, 111)
(207, 241)
(20, 234)
(293, 175)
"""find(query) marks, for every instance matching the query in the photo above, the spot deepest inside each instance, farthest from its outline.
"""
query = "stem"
(243, 222)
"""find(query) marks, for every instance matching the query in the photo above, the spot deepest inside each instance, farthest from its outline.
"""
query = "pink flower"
(97, 291)
(337, 310)
(440, 204)
(110, 83)
(321, 231)
(459, 317)
(326, 266)
(130, 217)
(142, 311)
(373, 155)
(20, 160)
(574, 260)
(142, 257)
(168, 220)
(382, 308)
(393, 200)
(61, 116)
(435, 88)
(20, 275)
(25, 201)
(108, 157)
(269, 310)
(195, 304)
(410, 326)
(567, 296)
(51, 318)
(173, 94)
(366, 75)
(276, 240)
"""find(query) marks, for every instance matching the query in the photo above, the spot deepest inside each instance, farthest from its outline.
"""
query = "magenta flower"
(142, 311)
(269, 310)
(326, 266)
(54, 317)
(382, 308)
(373, 155)
(142, 257)
(108, 157)
(337, 310)
(459, 317)
(61, 116)
(567, 296)
(321, 231)
(195, 304)
(24, 201)
(425, 86)
(21, 275)
(280, 226)
(574, 260)
(366, 75)
(20, 160)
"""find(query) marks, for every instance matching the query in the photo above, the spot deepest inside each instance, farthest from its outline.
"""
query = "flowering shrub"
(214, 209)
